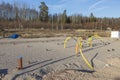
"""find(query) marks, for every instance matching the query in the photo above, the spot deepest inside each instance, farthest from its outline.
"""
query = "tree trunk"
(61, 26)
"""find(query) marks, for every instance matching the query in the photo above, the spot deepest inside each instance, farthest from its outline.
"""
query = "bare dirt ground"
(46, 59)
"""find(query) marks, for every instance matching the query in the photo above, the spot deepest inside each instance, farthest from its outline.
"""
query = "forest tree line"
(13, 16)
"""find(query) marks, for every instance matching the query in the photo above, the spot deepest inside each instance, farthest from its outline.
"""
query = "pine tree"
(43, 12)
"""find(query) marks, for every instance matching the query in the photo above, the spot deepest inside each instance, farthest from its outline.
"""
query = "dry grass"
(37, 33)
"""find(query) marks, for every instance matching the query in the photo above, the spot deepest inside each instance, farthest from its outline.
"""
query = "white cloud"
(93, 6)
(64, 4)
(100, 8)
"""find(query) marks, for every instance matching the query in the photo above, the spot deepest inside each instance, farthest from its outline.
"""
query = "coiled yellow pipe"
(91, 38)
(79, 46)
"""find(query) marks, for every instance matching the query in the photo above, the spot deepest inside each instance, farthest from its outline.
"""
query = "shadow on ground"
(51, 62)
(17, 75)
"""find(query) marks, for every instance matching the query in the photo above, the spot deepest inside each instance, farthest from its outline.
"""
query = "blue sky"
(100, 8)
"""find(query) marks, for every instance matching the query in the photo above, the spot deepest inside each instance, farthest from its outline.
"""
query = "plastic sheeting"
(14, 36)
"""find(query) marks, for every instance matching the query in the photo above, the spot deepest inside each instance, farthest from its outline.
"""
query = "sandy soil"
(46, 59)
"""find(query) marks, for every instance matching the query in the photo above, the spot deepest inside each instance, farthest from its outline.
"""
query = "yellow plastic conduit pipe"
(79, 46)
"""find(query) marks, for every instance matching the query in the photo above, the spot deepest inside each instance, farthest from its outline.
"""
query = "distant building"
(115, 34)
(109, 29)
